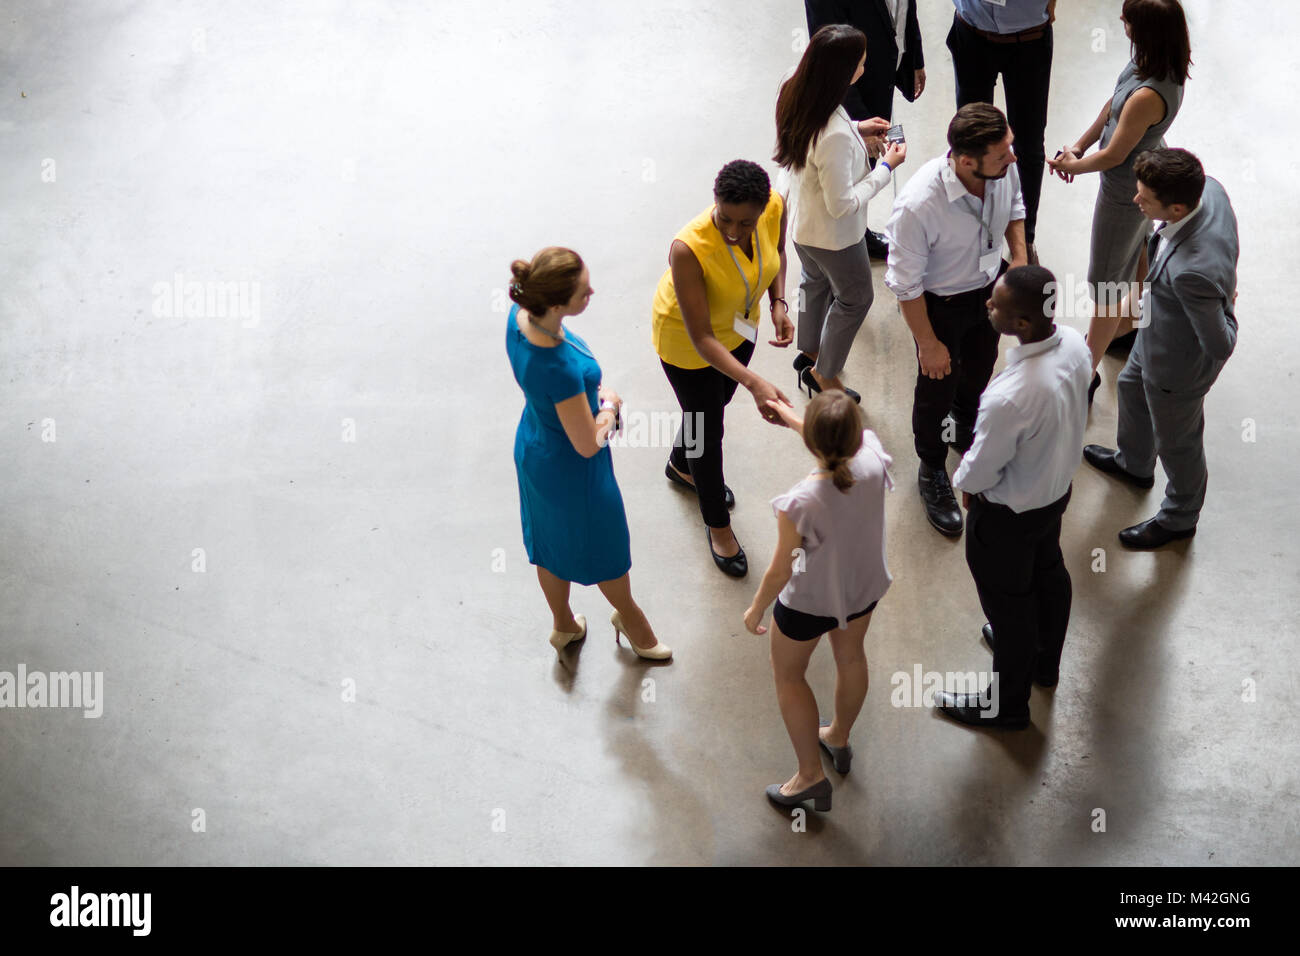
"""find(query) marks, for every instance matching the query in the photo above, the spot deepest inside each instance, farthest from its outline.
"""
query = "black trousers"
(1024, 589)
(961, 323)
(1026, 70)
(703, 394)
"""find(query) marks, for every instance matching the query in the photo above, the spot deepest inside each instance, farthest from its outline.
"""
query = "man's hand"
(934, 358)
(965, 500)
(784, 327)
(920, 83)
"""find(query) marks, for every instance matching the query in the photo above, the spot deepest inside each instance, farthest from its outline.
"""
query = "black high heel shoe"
(1092, 388)
(806, 379)
(802, 361)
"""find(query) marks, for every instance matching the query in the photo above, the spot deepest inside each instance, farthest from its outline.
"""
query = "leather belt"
(1024, 36)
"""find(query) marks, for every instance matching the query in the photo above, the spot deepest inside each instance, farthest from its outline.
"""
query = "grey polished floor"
(360, 673)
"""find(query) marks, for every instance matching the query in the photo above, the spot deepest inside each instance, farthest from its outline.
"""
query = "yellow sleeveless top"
(722, 283)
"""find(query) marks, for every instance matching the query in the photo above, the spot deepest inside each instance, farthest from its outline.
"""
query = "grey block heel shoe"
(818, 793)
(841, 757)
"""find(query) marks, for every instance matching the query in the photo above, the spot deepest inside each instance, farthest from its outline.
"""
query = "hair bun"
(521, 270)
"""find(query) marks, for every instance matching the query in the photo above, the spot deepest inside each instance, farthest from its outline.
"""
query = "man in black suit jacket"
(873, 94)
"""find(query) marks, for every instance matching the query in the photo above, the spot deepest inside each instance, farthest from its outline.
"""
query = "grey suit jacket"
(1193, 327)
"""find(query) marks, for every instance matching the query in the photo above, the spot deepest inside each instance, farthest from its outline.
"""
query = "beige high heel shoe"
(560, 640)
(660, 652)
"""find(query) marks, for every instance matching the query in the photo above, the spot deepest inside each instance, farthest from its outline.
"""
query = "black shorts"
(799, 626)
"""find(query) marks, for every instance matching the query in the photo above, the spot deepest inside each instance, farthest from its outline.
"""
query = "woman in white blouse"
(827, 154)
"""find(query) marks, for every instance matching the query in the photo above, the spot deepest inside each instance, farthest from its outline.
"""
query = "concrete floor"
(370, 170)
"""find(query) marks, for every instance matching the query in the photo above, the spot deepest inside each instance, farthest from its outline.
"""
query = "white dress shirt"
(898, 13)
(834, 186)
(939, 231)
(1029, 431)
(1167, 231)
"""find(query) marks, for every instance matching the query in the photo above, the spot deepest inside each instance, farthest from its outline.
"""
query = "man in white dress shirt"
(1015, 481)
(945, 251)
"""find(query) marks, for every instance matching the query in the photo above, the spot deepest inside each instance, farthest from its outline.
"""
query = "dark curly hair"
(741, 181)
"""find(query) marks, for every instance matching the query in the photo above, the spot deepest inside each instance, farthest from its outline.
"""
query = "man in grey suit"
(1188, 329)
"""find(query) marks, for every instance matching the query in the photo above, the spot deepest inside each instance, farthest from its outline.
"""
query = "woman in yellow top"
(706, 312)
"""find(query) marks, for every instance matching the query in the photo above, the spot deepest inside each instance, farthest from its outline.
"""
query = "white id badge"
(997, 3)
(990, 261)
(743, 327)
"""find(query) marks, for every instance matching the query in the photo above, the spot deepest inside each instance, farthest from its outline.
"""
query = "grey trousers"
(835, 295)
(1169, 424)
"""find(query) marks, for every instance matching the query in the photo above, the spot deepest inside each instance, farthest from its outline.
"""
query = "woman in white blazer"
(826, 153)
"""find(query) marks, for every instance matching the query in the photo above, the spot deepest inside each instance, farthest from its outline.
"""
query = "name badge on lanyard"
(743, 327)
(741, 323)
(990, 255)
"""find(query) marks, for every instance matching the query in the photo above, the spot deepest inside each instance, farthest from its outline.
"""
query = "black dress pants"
(1026, 70)
(703, 394)
(1024, 589)
(961, 323)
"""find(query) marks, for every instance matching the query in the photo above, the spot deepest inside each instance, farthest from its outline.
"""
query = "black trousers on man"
(1025, 591)
(961, 323)
(703, 394)
(1026, 69)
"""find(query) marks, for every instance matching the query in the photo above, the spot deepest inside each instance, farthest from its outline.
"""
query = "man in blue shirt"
(1012, 38)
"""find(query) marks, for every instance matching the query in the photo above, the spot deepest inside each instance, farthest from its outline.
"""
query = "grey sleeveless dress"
(1119, 230)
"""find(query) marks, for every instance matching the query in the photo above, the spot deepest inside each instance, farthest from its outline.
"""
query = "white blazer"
(834, 186)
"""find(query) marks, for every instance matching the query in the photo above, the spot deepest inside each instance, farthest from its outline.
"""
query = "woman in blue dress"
(575, 528)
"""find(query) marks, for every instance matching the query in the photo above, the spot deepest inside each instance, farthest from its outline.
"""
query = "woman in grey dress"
(1146, 100)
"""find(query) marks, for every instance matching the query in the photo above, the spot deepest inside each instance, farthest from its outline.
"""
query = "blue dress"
(571, 509)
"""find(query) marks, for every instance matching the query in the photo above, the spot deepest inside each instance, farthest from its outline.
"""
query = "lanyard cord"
(979, 217)
(758, 251)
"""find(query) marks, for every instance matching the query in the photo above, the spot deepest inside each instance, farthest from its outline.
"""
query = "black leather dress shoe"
(1041, 679)
(737, 565)
(1151, 534)
(877, 245)
(940, 505)
(966, 709)
(677, 479)
(1103, 459)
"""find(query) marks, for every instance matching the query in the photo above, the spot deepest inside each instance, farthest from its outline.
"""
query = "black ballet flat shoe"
(807, 381)
(737, 566)
(1092, 388)
(677, 479)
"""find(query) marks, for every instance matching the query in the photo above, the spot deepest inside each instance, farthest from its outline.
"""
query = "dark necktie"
(1153, 245)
